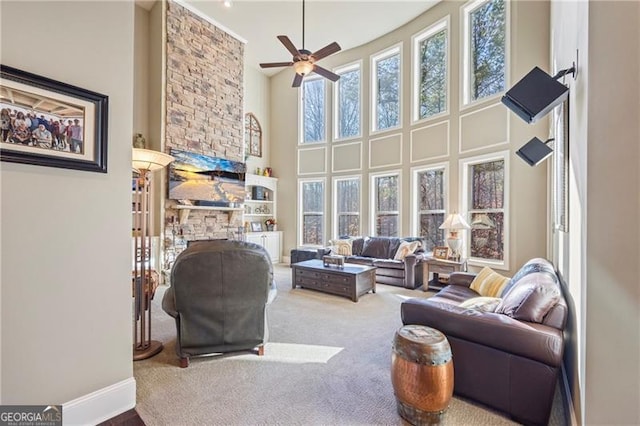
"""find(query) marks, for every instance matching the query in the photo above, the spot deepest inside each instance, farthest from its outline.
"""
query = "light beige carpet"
(327, 363)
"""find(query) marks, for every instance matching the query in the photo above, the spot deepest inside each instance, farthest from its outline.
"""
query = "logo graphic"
(30, 415)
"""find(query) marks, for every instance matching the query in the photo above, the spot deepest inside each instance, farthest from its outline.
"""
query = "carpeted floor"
(327, 363)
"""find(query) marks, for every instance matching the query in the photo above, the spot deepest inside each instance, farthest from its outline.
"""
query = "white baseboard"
(100, 405)
(286, 259)
(566, 398)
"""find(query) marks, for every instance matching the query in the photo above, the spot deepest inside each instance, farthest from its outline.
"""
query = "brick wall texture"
(204, 101)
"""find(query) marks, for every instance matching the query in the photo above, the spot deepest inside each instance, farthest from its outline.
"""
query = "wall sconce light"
(536, 94)
(535, 151)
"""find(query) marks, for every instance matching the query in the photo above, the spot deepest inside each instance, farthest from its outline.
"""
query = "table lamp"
(144, 161)
(454, 223)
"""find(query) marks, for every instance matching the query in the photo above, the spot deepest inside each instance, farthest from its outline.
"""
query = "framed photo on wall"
(49, 123)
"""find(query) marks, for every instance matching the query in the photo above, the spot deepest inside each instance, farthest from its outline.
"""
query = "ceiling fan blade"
(289, 45)
(325, 73)
(276, 64)
(326, 51)
(297, 80)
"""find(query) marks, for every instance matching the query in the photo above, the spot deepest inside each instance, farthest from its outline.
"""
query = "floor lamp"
(144, 162)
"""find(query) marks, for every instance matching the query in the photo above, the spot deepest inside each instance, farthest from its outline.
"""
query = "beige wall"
(256, 100)
(66, 280)
(471, 129)
(599, 256)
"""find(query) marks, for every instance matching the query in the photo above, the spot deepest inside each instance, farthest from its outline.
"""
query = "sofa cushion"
(376, 247)
(531, 298)
(356, 246)
(532, 266)
(406, 248)
(482, 303)
(389, 264)
(359, 260)
(489, 283)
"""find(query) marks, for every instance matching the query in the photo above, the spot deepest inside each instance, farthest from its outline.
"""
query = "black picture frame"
(83, 108)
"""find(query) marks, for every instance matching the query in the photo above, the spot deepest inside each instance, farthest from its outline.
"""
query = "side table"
(440, 266)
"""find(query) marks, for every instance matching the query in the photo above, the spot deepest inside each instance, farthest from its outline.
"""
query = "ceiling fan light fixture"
(303, 67)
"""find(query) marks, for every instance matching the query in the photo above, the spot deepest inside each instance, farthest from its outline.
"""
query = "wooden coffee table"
(351, 280)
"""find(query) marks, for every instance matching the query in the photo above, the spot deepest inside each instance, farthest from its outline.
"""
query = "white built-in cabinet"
(259, 206)
(271, 241)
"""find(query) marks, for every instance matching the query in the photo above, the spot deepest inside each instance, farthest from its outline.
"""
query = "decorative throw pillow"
(489, 283)
(531, 299)
(342, 247)
(405, 249)
(482, 303)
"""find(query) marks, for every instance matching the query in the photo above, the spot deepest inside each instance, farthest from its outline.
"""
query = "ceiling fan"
(304, 62)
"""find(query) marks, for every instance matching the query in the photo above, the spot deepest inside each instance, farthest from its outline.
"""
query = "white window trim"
(465, 163)
(334, 205)
(465, 51)
(372, 199)
(416, 39)
(415, 196)
(340, 70)
(301, 182)
(391, 51)
(301, 141)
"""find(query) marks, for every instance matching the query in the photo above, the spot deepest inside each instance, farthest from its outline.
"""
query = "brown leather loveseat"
(507, 353)
(398, 261)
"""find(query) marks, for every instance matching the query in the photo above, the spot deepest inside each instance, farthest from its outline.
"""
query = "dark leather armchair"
(218, 297)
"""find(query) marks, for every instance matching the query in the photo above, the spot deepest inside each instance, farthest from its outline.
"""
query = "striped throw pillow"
(489, 283)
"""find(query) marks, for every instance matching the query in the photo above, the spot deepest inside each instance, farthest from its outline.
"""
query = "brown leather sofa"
(508, 359)
(380, 252)
(218, 297)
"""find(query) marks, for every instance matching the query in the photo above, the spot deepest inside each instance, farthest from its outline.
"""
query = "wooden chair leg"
(261, 350)
(184, 362)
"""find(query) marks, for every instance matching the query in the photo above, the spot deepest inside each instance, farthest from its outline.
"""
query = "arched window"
(252, 135)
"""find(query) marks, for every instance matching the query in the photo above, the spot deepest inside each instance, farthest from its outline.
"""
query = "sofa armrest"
(529, 340)
(169, 302)
(461, 278)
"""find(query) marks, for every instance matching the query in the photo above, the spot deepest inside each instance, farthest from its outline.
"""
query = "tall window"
(485, 200)
(347, 99)
(485, 24)
(313, 110)
(347, 206)
(312, 212)
(385, 198)
(430, 71)
(386, 89)
(429, 190)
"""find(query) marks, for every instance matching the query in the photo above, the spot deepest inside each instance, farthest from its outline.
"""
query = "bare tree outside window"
(313, 213)
(487, 210)
(349, 104)
(431, 207)
(488, 31)
(386, 205)
(348, 206)
(432, 78)
(388, 92)
(313, 104)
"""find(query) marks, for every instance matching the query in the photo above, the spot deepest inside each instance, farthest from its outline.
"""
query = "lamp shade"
(455, 221)
(147, 159)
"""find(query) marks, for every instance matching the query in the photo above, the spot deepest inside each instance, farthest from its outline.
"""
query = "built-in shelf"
(185, 210)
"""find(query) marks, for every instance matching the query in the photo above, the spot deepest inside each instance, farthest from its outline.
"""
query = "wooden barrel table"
(421, 374)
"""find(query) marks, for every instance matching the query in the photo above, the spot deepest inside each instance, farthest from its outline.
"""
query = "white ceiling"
(351, 23)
